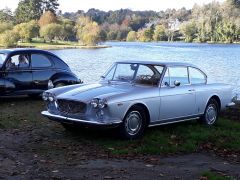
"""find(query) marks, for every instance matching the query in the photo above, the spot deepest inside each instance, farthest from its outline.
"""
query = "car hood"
(87, 92)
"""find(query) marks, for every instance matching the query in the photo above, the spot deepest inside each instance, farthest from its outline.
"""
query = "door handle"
(191, 90)
(36, 82)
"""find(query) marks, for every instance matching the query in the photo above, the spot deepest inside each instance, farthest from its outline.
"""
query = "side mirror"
(177, 83)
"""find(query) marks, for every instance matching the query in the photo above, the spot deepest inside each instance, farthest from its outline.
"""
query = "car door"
(43, 70)
(17, 74)
(177, 96)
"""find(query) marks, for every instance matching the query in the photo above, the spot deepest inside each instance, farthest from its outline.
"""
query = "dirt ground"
(31, 147)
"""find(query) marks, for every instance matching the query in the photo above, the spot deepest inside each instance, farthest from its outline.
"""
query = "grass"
(208, 175)
(22, 113)
(39, 43)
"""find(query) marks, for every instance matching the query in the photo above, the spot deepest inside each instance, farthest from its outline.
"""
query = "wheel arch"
(217, 99)
(144, 107)
(65, 78)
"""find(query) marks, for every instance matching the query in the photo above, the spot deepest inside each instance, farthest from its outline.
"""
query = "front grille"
(71, 107)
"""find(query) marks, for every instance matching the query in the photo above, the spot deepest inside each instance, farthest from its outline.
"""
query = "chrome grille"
(71, 107)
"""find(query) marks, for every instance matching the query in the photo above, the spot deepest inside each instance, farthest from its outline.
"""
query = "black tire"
(211, 113)
(134, 124)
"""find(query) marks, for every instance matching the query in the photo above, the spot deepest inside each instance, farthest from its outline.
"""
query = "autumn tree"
(159, 33)
(5, 26)
(47, 18)
(9, 38)
(51, 31)
(132, 36)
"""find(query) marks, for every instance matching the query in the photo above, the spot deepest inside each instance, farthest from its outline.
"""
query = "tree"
(9, 38)
(51, 31)
(28, 10)
(6, 15)
(145, 35)
(188, 29)
(49, 5)
(89, 34)
(5, 26)
(132, 36)
(159, 33)
(27, 31)
(47, 18)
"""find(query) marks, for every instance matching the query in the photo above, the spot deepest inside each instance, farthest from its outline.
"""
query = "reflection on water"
(221, 62)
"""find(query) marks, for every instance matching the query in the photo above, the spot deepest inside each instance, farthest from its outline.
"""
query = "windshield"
(2, 59)
(138, 73)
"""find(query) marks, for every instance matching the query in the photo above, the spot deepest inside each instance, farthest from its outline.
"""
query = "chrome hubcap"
(133, 123)
(211, 114)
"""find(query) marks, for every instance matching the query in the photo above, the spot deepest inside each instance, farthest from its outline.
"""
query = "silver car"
(135, 95)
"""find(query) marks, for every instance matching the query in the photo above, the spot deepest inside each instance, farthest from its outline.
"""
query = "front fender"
(66, 78)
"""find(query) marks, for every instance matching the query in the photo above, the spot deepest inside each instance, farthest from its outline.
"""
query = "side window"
(40, 61)
(179, 74)
(166, 79)
(146, 76)
(20, 61)
(196, 76)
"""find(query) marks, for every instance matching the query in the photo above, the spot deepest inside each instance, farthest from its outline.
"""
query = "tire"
(59, 85)
(134, 124)
(211, 113)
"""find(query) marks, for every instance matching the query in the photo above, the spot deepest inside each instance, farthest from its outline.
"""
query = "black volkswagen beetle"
(32, 71)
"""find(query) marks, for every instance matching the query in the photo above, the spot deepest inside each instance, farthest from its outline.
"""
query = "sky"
(156, 5)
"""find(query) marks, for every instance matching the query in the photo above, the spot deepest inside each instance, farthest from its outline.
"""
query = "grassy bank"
(24, 114)
(40, 44)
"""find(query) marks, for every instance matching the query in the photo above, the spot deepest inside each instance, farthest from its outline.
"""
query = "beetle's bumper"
(63, 119)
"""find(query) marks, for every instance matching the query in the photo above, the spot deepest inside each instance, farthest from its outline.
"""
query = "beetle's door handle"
(191, 90)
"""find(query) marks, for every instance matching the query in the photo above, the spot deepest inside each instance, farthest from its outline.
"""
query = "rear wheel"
(211, 113)
(134, 123)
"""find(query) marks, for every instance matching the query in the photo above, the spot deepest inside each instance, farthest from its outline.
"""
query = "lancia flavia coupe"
(135, 95)
(31, 72)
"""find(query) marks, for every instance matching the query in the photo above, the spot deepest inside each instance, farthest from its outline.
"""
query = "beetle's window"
(20, 61)
(59, 63)
(39, 60)
(147, 75)
(125, 72)
(179, 74)
(2, 59)
(196, 76)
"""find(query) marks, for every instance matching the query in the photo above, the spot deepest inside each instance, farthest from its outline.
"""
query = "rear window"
(59, 63)
(2, 59)
(40, 61)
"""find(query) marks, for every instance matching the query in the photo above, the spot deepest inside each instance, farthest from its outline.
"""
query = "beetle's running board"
(159, 123)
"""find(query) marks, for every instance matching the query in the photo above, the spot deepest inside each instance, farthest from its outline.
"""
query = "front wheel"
(210, 116)
(134, 123)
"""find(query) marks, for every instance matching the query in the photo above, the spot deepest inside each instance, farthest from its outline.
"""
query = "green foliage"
(214, 176)
(159, 33)
(51, 31)
(189, 30)
(145, 35)
(9, 38)
(6, 15)
(5, 26)
(132, 36)
(27, 31)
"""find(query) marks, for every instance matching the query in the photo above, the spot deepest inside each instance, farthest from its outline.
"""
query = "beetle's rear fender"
(65, 78)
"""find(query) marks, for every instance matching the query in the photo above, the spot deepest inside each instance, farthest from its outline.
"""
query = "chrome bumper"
(230, 104)
(66, 119)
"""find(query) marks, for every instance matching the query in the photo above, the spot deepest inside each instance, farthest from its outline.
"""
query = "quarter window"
(39, 60)
(196, 76)
(179, 74)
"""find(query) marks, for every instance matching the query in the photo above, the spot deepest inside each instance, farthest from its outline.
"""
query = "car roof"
(24, 50)
(171, 63)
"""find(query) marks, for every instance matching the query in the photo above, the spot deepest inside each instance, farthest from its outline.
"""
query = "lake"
(221, 62)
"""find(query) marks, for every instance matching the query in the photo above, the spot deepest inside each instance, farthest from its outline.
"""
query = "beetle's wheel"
(134, 123)
(211, 113)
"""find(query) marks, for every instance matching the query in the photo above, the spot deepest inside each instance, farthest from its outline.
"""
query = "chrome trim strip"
(49, 115)
(171, 122)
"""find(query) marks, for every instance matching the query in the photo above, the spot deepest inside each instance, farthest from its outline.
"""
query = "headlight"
(48, 96)
(99, 103)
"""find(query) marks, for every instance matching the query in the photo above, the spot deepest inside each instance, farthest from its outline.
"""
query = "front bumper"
(64, 119)
(230, 104)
